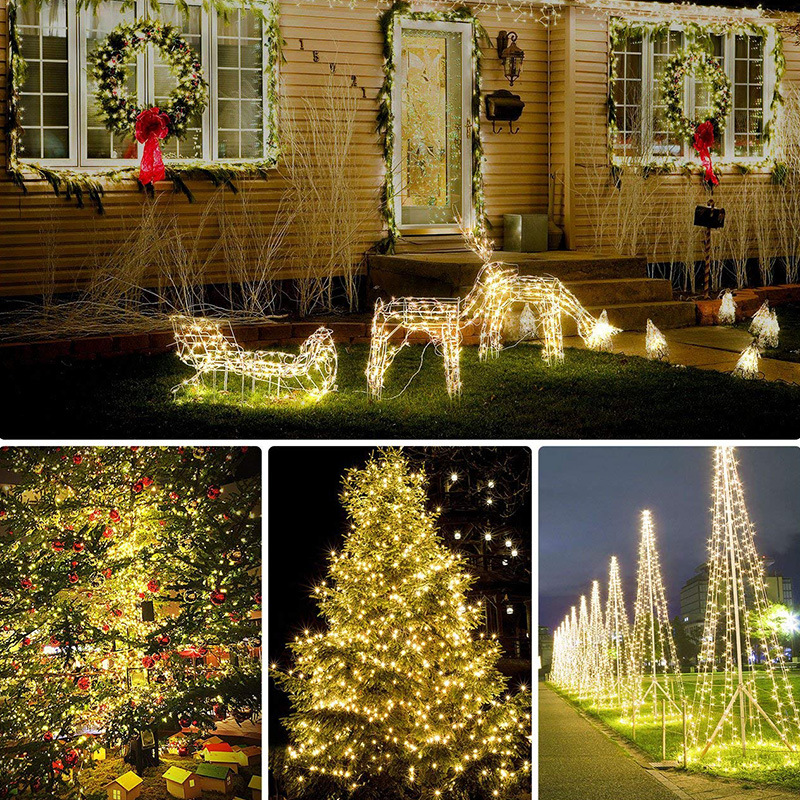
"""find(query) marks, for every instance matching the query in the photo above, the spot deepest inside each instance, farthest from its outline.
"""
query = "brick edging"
(274, 334)
(748, 301)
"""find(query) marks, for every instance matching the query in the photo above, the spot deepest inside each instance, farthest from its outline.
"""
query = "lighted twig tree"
(655, 668)
(617, 631)
(728, 705)
(399, 695)
(122, 568)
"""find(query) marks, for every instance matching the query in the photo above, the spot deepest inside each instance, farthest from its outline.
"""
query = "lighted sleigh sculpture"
(210, 347)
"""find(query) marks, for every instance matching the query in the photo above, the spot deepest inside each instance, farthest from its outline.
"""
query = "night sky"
(590, 499)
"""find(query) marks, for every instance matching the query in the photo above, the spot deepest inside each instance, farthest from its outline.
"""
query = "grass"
(154, 787)
(788, 348)
(591, 395)
(766, 763)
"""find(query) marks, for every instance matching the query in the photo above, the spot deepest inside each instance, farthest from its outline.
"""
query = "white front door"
(432, 106)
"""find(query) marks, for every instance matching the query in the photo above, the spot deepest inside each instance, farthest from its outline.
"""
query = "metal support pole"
(683, 714)
(663, 729)
(633, 724)
(707, 254)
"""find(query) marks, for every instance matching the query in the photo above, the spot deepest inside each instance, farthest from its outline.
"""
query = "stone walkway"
(580, 758)
(706, 347)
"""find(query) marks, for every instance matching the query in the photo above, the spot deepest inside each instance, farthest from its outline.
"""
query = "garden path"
(705, 347)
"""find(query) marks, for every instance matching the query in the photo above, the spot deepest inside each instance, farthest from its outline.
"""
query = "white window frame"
(768, 89)
(77, 24)
(467, 87)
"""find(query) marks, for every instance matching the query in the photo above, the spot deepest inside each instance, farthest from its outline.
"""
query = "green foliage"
(698, 36)
(110, 67)
(89, 535)
(398, 695)
(79, 185)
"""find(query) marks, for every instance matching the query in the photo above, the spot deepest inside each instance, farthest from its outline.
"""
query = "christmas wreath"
(694, 61)
(110, 65)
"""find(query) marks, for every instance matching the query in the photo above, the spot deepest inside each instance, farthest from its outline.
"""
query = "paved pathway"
(705, 347)
(579, 761)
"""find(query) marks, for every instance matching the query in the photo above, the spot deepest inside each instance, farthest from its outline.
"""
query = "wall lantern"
(511, 55)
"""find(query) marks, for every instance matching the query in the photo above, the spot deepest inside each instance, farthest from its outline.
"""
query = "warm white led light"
(656, 343)
(727, 309)
(209, 346)
(747, 365)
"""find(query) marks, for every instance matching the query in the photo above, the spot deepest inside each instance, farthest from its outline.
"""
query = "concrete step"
(616, 291)
(634, 316)
(446, 274)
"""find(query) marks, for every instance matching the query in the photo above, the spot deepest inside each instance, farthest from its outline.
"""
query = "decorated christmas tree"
(398, 695)
(129, 603)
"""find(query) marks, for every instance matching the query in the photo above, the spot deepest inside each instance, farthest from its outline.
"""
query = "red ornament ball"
(153, 585)
(84, 683)
(77, 547)
(72, 578)
(114, 515)
(26, 583)
(147, 662)
(108, 533)
(48, 737)
(217, 597)
(213, 492)
(58, 546)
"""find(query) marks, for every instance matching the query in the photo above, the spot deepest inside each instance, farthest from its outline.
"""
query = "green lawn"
(591, 395)
(788, 348)
(767, 761)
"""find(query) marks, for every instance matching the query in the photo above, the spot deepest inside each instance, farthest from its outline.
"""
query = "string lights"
(130, 601)
(602, 335)
(740, 657)
(398, 688)
(655, 343)
(727, 309)
(617, 631)
(438, 319)
(769, 331)
(655, 668)
(759, 319)
(747, 365)
(209, 346)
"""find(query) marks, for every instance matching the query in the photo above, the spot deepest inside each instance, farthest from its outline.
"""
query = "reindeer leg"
(451, 346)
(379, 361)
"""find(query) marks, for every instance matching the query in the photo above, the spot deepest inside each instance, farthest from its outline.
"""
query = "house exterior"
(578, 56)
(126, 787)
(255, 787)
(182, 783)
(215, 778)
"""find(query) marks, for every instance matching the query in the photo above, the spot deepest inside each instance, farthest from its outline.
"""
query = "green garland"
(73, 184)
(385, 123)
(110, 63)
(694, 60)
(699, 36)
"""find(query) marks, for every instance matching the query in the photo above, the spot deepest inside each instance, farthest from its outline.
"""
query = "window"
(62, 123)
(639, 59)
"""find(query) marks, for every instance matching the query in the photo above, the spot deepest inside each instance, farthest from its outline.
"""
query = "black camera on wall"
(707, 217)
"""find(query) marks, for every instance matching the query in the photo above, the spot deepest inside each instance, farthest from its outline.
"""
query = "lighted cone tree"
(598, 664)
(122, 568)
(655, 667)
(617, 632)
(399, 696)
(741, 665)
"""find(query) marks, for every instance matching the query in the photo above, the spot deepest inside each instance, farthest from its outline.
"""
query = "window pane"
(100, 142)
(191, 146)
(44, 98)
(627, 61)
(665, 142)
(240, 104)
(748, 97)
(702, 96)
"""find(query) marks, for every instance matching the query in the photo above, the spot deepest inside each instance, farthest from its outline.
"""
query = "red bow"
(152, 125)
(703, 142)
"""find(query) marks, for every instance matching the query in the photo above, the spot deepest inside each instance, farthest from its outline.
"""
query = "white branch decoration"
(205, 345)
(747, 365)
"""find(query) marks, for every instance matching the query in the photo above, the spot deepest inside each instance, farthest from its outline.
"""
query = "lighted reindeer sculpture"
(210, 347)
(497, 287)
